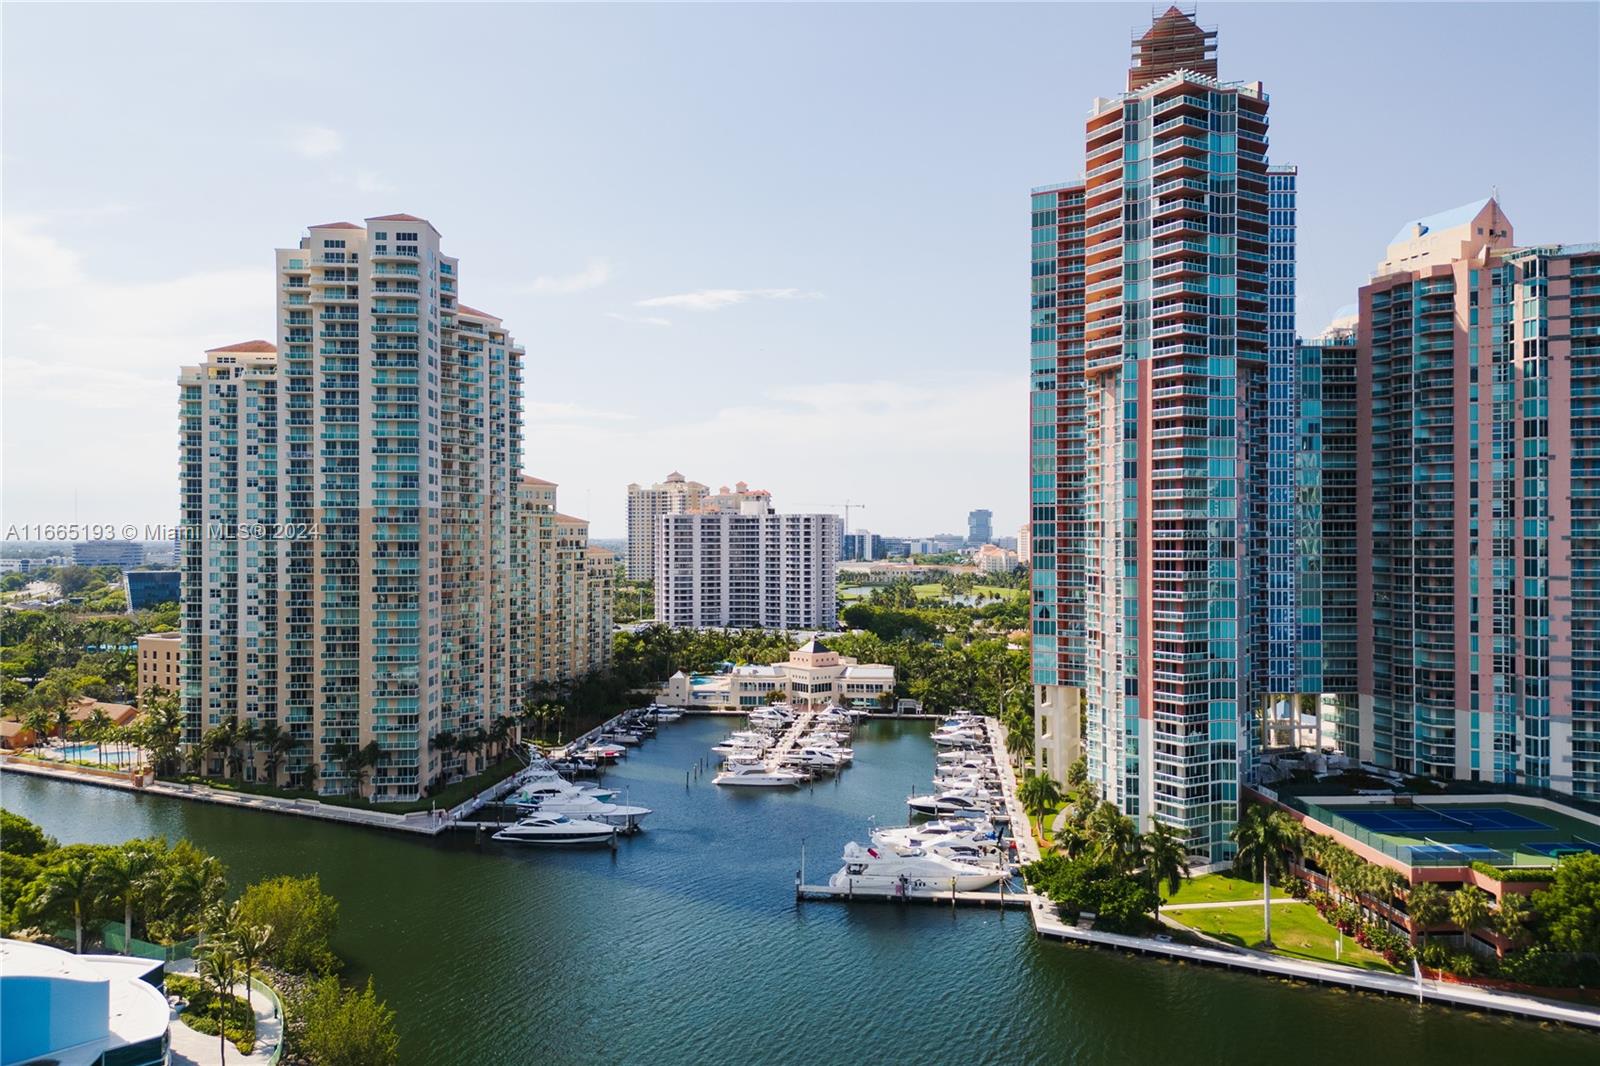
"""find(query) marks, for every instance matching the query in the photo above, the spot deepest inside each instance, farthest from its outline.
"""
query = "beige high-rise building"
(562, 618)
(346, 501)
(676, 495)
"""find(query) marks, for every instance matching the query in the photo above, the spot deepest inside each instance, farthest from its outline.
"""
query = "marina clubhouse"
(813, 676)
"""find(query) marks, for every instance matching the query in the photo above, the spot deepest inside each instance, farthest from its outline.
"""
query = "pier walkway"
(793, 735)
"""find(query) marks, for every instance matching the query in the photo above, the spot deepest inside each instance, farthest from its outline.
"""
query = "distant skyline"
(780, 244)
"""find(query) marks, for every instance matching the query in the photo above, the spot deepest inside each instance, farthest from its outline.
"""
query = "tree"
(1039, 793)
(1266, 840)
(122, 874)
(1166, 860)
(68, 886)
(22, 837)
(193, 887)
(1511, 917)
(1114, 839)
(1569, 910)
(1427, 906)
(250, 939)
(1469, 908)
(348, 1027)
(300, 920)
(162, 725)
(217, 963)
(1019, 744)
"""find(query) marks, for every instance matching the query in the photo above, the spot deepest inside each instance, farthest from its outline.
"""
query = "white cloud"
(640, 320)
(944, 437)
(716, 299)
(594, 274)
(90, 365)
(314, 142)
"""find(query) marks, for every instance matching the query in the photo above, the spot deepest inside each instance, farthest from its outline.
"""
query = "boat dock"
(1006, 898)
(792, 736)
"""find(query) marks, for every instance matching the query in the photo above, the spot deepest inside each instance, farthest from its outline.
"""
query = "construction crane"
(848, 505)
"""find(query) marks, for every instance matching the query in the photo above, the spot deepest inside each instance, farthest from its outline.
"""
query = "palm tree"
(250, 941)
(70, 883)
(163, 724)
(1469, 908)
(1511, 917)
(1072, 839)
(121, 874)
(1039, 793)
(1266, 840)
(37, 720)
(96, 728)
(271, 736)
(1113, 837)
(217, 963)
(249, 733)
(1166, 860)
(1427, 906)
(193, 889)
(1019, 744)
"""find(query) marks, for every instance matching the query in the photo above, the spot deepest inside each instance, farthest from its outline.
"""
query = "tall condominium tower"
(676, 495)
(347, 494)
(562, 612)
(1477, 544)
(1151, 347)
(750, 568)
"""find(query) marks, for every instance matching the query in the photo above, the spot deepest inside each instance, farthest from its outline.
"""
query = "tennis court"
(1501, 833)
(1413, 820)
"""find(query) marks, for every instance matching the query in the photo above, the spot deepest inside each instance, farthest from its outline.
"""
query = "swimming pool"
(89, 753)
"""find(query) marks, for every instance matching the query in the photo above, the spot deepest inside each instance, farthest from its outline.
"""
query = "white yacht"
(963, 804)
(604, 752)
(557, 829)
(817, 758)
(942, 831)
(910, 869)
(667, 714)
(758, 775)
(535, 792)
(619, 815)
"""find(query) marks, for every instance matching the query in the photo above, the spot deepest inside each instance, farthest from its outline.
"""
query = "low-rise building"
(83, 1009)
(159, 657)
(813, 676)
(993, 559)
(124, 553)
(151, 588)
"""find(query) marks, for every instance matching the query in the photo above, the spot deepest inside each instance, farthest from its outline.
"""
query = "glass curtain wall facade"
(1176, 347)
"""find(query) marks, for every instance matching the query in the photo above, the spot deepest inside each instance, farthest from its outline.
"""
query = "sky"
(780, 244)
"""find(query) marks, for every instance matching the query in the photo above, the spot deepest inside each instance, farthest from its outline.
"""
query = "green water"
(686, 946)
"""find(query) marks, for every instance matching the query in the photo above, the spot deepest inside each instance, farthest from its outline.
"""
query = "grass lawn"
(1217, 888)
(446, 797)
(1298, 932)
(997, 590)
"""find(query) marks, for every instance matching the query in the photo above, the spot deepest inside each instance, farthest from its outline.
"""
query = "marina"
(713, 868)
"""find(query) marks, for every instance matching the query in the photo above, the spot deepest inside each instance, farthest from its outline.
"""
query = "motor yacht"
(960, 738)
(962, 804)
(604, 752)
(815, 758)
(939, 832)
(758, 775)
(534, 792)
(620, 736)
(557, 829)
(621, 816)
(667, 714)
(908, 869)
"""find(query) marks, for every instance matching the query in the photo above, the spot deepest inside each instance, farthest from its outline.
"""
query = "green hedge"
(1544, 874)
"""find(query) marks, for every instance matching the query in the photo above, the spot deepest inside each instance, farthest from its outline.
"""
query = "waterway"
(686, 945)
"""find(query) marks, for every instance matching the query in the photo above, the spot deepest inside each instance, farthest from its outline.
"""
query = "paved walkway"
(428, 823)
(192, 1048)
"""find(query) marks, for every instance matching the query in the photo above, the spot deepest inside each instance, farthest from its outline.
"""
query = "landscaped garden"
(1218, 888)
(1298, 932)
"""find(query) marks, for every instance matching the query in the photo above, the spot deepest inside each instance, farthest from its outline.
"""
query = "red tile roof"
(570, 518)
(246, 346)
(474, 312)
(336, 225)
(397, 218)
(529, 479)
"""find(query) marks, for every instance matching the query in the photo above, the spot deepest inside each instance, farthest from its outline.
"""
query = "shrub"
(347, 1027)
(302, 918)
(1082, 884)
(200, 1012)
(18, 836)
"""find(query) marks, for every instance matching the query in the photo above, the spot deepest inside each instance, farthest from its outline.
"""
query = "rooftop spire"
(1173, 42)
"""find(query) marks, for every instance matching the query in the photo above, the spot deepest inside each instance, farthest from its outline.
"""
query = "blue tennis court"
(1413, 820)
(1563, 847)
(1422, 854)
